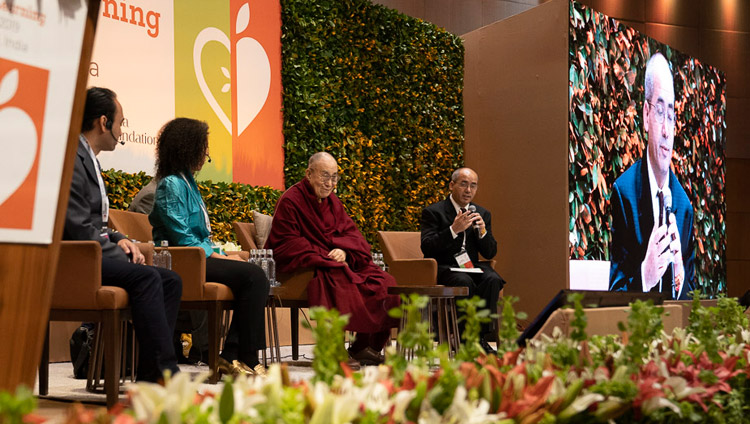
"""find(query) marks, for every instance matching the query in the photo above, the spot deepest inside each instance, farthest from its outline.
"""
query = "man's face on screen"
(659, 122)
(465, 187)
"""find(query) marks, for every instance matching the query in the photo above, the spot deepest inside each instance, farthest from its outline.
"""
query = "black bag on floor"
(81, 345)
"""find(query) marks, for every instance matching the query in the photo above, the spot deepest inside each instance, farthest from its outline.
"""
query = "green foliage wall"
(381, 92)
(607, 70)
(226, 202)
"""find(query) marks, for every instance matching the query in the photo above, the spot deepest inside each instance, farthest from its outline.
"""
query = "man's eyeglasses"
(325, 177)
(465, 184)
(661, 112)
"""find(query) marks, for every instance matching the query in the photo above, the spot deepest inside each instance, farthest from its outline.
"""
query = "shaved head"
(320, 157)
(322, 173)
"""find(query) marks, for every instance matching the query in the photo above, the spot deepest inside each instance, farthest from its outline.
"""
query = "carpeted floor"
(64, 390)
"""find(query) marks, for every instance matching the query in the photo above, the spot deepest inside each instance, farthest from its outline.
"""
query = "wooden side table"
(444, 298)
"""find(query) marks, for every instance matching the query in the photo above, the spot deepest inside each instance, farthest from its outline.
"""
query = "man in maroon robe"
(312, 230)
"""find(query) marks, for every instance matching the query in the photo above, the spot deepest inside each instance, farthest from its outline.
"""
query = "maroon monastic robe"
(304, 231)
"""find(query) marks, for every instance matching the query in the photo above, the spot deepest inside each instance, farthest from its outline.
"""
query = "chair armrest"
(294, 284)
(244, 254)
(190, 264)
(490, 262)
(147, 249)
(78, 276)
(414, 272)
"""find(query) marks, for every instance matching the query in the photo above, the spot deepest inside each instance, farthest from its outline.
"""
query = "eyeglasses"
(661, 112)
(465, 184)
(325, 177)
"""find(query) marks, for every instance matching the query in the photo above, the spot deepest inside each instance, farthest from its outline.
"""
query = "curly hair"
(181, 147)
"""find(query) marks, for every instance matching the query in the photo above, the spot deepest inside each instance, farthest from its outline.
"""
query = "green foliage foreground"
(698, 374)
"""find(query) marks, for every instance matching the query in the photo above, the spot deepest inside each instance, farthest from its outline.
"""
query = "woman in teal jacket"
(180, 217)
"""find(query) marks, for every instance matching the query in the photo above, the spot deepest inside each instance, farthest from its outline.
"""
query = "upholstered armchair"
(79, 296)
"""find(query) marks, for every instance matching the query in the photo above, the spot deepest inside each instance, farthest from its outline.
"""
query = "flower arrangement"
(651, 377)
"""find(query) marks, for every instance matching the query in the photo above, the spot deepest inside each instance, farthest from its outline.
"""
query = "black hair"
(181, 147)
(99, 101)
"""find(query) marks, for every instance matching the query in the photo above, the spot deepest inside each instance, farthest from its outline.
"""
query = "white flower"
(656, 403)
(680, 387)
(151, 400)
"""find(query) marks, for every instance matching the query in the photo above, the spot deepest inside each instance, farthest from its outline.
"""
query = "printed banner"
(134, 56)
(41, 46)
(217, 61)
(202, 76)
(257, 140)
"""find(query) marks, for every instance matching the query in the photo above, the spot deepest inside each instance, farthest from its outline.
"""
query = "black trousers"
(154, 301)
(250, 288)
(486, 285)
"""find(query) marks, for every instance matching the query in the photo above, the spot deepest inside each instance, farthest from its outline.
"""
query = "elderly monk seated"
(312, 230)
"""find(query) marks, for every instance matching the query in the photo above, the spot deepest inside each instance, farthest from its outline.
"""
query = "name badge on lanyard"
(100, 183)
(463, 260)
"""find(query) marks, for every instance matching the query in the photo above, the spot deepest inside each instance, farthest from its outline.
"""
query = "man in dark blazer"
(154, 293)
(453, 231)
(646, 257)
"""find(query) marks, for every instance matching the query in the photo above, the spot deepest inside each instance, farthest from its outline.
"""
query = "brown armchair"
(406, 263)
(190, 264)
(292, 293)
(416, 274)
(79, 296)
(403, 253)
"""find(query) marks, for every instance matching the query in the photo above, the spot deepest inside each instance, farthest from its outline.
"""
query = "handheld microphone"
(667, 203)
(473, 209)
(668, 211)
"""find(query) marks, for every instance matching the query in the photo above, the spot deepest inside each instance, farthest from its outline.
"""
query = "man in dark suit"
(454, 233)
(154, 293)
(646, 257)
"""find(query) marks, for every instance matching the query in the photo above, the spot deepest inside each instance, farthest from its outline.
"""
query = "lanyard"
(100, 181)
(200, 202)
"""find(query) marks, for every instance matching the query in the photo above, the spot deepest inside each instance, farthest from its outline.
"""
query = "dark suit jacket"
(83, 219)
(439, 244)
(632, 223)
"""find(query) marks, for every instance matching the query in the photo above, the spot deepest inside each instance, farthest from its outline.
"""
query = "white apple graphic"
(18, 139)
(253, 72)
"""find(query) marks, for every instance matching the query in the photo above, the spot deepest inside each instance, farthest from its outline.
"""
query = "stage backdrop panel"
(522, 136)
(515, 105)
(217, 61)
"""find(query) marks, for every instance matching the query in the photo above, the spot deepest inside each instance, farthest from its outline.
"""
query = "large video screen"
(647, 134)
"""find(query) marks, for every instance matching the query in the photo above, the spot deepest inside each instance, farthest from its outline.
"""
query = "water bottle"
(253, 256)
(166, 257)
(155, 256)
(263, 261)
(271, 268)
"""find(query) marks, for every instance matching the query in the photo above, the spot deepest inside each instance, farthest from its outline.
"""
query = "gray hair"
(653, 66)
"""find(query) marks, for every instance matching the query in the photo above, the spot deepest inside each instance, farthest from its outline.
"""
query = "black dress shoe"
(353, 364)
(368, 356)
(486, 347)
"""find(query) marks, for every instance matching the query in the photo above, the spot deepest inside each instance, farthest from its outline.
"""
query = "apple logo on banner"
(18, 139)
(253, 72)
